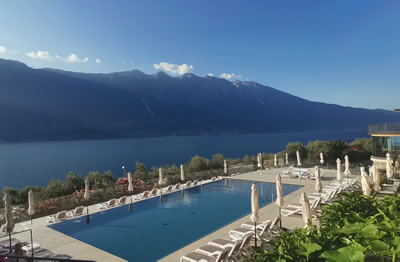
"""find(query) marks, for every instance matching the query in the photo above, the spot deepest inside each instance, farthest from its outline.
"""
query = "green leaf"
(370, 231)
(311, 248)
(346, 254)
(378, 245)
(351, 228)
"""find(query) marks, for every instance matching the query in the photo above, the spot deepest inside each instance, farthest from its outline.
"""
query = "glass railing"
(384, 128)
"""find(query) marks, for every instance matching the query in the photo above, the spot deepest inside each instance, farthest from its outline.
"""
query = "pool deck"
(60, 243)
(268, 212)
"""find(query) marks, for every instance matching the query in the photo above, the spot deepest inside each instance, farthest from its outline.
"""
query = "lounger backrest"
(61, 215)
(236, 247)
(316, 203)
(112, 202)
(154, 192)
(122, 199)
(146, 193)
(290, 170)
(223, 255)
(195, 182)
(213, 178)
(177, 186)
(246, 240)
(274, 223)
(169, 188)
(188, 183)
(78, 210)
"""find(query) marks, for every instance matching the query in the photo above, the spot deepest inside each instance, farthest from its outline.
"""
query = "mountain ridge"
(57, 104)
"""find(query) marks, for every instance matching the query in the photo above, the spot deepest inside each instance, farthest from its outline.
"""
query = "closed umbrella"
(259, 160)
(339, 175)
(298, 158)
(321, 156)
(9, 225)
(31, 203)
(318, 184)
(86, 196)
(225, 167)
(254, 209)
(306, 209)
(389, 172)
(287, 158)
(377, 178)
(275, 161)
(279, 194)
(347, 166)
(182, 173)
(160, 174)
(366, 187)
(130, 185)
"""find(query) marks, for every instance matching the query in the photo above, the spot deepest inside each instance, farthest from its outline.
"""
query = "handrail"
(384, 128)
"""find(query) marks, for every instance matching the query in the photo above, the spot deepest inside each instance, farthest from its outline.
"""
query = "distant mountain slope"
(41, 104)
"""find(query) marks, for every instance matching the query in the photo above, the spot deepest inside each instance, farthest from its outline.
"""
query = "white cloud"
(44, 55)
(98, 60)
(174, 69)
(229, 76)
(210, 74)
(3, 49)
(73, 58)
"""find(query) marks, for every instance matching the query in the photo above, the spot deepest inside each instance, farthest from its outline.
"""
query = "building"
(385, 139)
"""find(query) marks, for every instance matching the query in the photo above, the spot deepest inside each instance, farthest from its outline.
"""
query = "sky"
(343, 52)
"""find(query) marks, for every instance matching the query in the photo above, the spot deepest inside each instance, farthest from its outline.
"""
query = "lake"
(34, 163)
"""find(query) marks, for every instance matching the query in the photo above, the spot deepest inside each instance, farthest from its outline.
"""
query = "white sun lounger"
(78, 211)
(235, 248)
(110, 203)
(62, 215)
(239, 233)
(168, 189)
(297, 209)
(122, 200)
(188, 184)
(199, 257)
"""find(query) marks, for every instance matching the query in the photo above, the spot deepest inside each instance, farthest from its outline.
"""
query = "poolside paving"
(60, 243)
(268, 212)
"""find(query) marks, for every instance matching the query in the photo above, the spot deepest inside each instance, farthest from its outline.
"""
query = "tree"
(249, 160)
(314, 148)
(336, 149)
(198, 163)
(141, 171)
(108, 179)
(55, 188)
(216, 162)
(95, 180)
(291, 149)
(363, 143)
(73, 182)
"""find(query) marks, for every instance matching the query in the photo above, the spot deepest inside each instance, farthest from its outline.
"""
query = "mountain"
(50, 104)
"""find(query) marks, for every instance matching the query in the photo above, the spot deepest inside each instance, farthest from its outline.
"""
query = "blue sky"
(342, 52)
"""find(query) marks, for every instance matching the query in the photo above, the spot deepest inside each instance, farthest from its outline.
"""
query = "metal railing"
(37, 259)
(384, 128)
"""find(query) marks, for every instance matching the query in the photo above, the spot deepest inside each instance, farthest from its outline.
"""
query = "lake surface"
(34, 163)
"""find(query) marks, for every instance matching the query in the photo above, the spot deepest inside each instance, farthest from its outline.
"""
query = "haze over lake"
(34, 163)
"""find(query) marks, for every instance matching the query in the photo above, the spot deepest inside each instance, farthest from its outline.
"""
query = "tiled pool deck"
(63, 244)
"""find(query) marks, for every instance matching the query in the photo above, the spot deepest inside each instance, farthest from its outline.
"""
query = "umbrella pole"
(87, 216)
(280, 218)
(9, 237)
(255, 234)
(31, 219)
(31, 243)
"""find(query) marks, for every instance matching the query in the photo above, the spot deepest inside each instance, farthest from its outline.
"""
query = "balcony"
(385, 128)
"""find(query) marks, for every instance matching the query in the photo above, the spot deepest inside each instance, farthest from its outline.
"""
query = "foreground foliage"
(354, 228)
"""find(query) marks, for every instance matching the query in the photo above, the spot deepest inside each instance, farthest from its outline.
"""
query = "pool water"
(156, 227)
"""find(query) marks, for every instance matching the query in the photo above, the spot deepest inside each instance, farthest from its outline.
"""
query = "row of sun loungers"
(38, 252)
(238, 247)
(79, 211)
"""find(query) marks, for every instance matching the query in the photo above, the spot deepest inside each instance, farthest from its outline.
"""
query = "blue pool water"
(157, 228)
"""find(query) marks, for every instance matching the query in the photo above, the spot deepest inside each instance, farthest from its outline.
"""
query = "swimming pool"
(157, 227)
